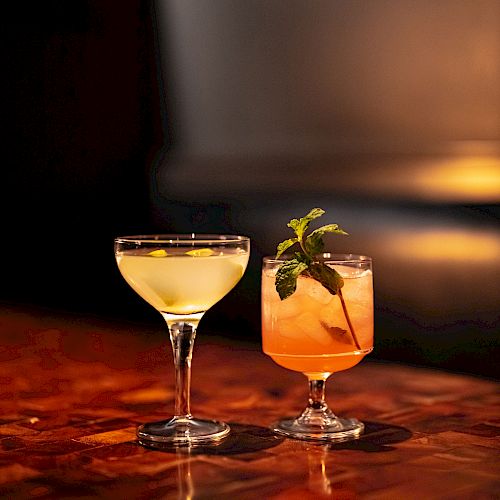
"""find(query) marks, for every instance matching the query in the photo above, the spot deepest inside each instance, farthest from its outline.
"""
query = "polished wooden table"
(74, 389)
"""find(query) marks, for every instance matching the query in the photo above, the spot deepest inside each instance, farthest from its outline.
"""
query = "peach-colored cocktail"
(311, 331)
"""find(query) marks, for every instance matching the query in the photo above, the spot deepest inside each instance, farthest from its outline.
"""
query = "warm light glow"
(470, 179)
(447, 245)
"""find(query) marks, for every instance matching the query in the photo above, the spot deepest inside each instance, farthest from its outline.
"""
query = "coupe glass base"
(182, 431)
(338, 429)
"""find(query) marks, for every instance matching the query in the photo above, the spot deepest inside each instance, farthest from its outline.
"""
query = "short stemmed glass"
(182, 276)
(317, 333)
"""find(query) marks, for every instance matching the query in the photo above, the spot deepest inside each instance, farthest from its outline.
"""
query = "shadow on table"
(377, 437)
(242, 439)
(251, 438)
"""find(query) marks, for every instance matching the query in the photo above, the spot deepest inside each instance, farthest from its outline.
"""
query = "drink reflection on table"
(319, 482)
(185, 484)
(316, 478)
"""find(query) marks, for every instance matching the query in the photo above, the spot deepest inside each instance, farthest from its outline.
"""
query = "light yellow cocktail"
(180, 282)
(182, 276)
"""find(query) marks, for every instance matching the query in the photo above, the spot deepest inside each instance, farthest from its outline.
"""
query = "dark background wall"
(82, 124)
(234, 116)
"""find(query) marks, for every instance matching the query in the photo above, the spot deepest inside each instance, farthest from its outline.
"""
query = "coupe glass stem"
(182, 336)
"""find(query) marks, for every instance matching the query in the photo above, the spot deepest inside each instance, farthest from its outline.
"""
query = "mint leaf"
(303, 262)
(327, 276)
(314, 242)
(284, 246)
(286, 277)
(339, 334)
(300, 225)
(302, 257)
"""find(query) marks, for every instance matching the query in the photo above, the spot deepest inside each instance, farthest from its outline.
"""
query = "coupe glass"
(317, 333)
(182, 276)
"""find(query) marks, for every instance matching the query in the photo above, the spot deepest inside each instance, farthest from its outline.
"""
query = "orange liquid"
(308, 332)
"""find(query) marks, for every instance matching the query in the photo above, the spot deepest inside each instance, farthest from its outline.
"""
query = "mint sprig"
(305, 261)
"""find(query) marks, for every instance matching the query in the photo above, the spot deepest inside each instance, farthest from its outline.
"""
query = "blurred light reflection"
(447, 245)
(471, 179)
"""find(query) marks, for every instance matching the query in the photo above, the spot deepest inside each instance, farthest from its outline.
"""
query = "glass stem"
(317, 394)
(182, 335)
(317, 412)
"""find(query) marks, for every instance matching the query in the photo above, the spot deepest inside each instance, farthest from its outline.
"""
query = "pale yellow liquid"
(300, 332)
(179, 283)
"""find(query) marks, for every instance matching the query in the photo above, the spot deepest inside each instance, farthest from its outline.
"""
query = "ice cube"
(332, 316)
(292, 306)
(288, 329)
(349, 272)
(333, 319)
(310, 325)
(359, 290)
(314, 290)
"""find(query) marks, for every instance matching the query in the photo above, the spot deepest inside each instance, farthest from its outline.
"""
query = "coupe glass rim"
(181, 238)
(336, 258)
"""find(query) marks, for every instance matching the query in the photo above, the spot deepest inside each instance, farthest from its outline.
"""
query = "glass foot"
(336, 430)
(182, 431)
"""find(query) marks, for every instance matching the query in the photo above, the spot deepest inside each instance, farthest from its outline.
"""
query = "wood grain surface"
(73, 390)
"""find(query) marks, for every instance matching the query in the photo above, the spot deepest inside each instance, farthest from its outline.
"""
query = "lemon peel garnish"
(158, 253)
(201, 252)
